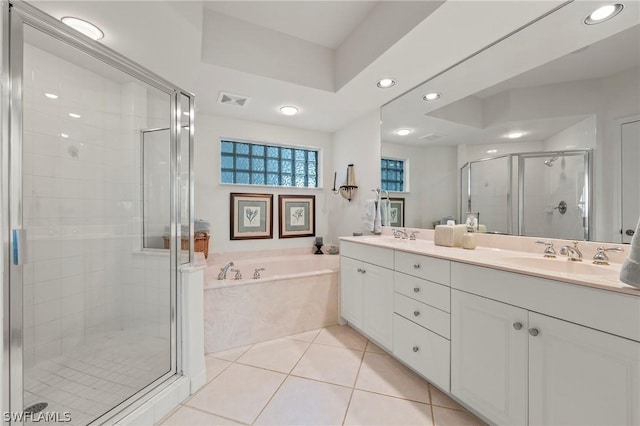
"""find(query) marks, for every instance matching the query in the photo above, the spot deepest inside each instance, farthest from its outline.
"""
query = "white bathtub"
(294, 294)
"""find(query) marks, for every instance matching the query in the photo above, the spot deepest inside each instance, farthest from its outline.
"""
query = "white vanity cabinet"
(514, 365)
(421, 324)
(366, 290)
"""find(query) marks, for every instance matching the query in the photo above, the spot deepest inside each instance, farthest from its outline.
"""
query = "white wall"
(357, 144)
(212, 198)
(432, 180)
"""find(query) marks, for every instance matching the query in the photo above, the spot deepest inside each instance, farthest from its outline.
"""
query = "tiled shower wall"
(82, 208)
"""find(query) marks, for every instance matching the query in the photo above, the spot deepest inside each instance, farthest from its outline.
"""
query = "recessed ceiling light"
(289, 110)
(603, 13)
(84, 27)
(74, 115)
(515, 135)
(492, 151)
(403, 132)
(64, 135)
(385, 83)
(431, 96)
(51, 95)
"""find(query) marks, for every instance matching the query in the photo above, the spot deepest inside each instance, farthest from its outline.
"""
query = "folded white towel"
(385, 211)
(369, 215)
(630, 272)
(377, 223)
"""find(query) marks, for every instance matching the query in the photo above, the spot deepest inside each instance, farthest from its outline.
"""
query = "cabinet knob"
(364, 271)
(416, 266)
(416, 313)
(534, 332)
(359, 269)
(416, 289)
(517, 325)
(416, 348)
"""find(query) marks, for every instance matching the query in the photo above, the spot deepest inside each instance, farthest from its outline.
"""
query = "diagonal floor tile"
(307, 336)
(446, 417)
(306, 402)
(372, 347)
(383, 374)
(190, 416)
(341, 336)
(441, 399)
(329, 364)
(373, 409)
(279, 354)
(239, 393)
(230, 354)
(215, 366)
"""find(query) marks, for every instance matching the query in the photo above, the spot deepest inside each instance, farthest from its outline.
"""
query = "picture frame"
(251, 216)
(297, 216)
(396, 211)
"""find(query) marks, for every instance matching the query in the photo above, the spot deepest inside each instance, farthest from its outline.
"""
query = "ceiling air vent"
(431, 137)
(226, 98)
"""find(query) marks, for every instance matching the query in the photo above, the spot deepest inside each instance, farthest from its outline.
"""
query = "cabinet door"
(581, 376)
(377, 290)
(489, 357)
(351, 290)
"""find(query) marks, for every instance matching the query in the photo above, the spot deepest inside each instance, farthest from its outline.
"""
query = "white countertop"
(506, 260)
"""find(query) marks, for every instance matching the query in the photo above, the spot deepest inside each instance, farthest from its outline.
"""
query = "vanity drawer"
(433, 294)
(366, 253)
(424, 315)
(428, 268)
(424, 351)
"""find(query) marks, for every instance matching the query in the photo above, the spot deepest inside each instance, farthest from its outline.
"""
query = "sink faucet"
(256, 273)
(223, 271)
(573, 253)
(601, 258)
(549, 251)
(238, 275)
(413, 235)
(397, 233)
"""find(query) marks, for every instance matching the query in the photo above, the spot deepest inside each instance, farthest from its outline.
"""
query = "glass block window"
(392, 174)
(254, 164)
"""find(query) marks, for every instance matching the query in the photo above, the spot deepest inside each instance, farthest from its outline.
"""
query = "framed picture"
(397, 211)
(297, 215)
(251, 216)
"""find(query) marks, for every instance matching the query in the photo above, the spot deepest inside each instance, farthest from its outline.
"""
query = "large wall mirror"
(539, 133)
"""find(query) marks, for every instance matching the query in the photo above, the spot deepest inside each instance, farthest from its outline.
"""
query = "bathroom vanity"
(516, 340)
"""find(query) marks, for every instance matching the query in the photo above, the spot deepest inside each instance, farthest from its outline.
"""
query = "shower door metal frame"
(15, 15)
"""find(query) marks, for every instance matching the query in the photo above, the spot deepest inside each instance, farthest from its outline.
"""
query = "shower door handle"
(19, 251)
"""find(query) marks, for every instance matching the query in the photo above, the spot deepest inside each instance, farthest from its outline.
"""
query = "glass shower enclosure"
(89, 287)
(542, 194)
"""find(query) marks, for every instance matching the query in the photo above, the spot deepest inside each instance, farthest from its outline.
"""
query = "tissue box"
(444, 236)
(449, 235)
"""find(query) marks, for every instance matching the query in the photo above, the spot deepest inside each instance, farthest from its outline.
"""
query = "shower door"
(555, 195)
(92, 309)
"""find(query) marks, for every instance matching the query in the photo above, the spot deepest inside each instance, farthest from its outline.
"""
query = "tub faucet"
(573, 253)
(256, 273)
(223, 271)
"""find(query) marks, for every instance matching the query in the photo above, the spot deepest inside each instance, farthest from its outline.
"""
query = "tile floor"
(332, 376)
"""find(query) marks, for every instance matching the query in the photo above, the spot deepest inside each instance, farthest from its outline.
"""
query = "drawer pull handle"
(534, 332)
(517, 325)
(416, 348)
(362, 271)
(416, 313)
(416, 266)
(416, 289)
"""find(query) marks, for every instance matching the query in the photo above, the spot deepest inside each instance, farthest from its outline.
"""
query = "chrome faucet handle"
(238, 275)
(601, 258)
(549, 251)
(256, 273)
(413, 235)
(396, 233)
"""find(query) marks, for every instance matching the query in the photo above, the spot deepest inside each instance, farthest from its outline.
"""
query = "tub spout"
(223, 271)
(256, 273)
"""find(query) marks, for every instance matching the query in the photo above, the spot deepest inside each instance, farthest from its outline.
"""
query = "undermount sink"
(562, 265)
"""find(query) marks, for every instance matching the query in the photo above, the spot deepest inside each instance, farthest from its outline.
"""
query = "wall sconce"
(349, 189)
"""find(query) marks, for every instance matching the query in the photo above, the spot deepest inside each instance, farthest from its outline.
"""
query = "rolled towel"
(377, 222)
(385, 211)
(630, 272)
(369, 215)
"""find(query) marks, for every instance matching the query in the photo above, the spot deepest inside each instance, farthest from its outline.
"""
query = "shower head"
(549, 162)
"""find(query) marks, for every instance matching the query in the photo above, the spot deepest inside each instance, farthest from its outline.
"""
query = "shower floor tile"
(325, 387)
(89, 382)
